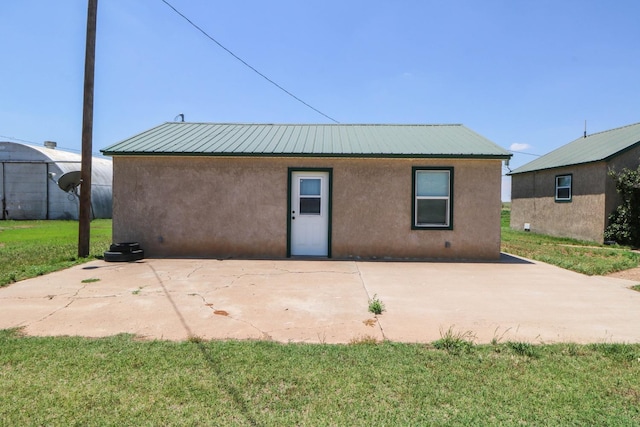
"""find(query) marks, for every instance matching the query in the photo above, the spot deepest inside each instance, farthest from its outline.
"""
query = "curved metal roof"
(102, 169)
(33, 192)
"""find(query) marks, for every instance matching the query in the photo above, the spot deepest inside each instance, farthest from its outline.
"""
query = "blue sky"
(525, 74)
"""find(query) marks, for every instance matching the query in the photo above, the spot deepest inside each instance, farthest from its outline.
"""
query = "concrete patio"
(324, 301)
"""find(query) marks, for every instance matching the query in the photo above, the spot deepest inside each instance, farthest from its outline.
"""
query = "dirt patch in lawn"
(630, 274)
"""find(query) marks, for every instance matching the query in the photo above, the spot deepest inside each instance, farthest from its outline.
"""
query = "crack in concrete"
(195, 269)
(238, 277)
(98, 297)
(366, 291)
(51, 297)
(286, 271)
(72, 299)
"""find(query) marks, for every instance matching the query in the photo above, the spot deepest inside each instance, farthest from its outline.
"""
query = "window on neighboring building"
(563, 188)
(432, 196)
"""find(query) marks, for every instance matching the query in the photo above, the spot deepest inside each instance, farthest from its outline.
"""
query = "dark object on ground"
(124, 252)
(125, 247)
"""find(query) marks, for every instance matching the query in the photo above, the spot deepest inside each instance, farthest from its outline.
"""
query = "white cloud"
(517, 146)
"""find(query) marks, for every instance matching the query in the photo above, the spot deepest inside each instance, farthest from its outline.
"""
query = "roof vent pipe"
(50, 144)
(585, 129)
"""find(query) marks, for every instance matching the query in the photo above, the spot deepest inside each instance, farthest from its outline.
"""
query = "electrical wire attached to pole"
(246, 64)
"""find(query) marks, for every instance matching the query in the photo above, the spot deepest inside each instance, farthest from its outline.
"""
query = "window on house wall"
(563, 188)
(432, 198)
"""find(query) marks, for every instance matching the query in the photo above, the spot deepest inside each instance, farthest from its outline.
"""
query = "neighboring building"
(568, 192)
(341, 191)
(28, 188)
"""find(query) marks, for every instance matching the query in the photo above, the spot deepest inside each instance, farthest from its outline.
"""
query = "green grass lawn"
(33, 248)
(123, 381)
(584, 257)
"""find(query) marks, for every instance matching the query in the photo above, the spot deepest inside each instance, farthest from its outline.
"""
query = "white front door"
(309, 213)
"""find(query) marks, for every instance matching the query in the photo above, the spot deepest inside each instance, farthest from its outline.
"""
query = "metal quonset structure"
(28, 183)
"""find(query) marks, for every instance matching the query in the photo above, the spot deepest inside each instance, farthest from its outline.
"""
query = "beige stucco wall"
(219, 207)
(582, 218)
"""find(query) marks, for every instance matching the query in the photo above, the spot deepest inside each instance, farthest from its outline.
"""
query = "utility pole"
(87, 132)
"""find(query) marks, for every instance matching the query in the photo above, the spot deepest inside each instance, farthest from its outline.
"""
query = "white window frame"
(564, 187)
(448, 224)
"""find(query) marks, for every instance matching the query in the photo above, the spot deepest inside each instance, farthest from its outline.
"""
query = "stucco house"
(568, 192)
(340, 191)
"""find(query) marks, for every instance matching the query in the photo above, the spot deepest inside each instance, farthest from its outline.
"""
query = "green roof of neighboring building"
(319, 140)
(594, 148)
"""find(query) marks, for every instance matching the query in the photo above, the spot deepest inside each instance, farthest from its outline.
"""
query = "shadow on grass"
(209, 356)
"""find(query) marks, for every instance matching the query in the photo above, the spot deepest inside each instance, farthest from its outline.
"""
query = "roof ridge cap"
(611, 130)
(313, 124)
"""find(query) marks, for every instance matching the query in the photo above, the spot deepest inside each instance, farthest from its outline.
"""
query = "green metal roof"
(594, 148)
(315, 140)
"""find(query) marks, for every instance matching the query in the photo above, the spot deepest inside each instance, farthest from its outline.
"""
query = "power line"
(246, 64)
(74, 150)
(528, 154)
(18, 139)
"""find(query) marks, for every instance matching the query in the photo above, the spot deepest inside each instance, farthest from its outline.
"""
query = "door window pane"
(310, 187)
(309, 205)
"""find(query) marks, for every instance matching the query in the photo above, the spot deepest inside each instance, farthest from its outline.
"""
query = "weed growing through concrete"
(137, 291)
(90, 280)
(455, 342)
(636, 288)
(375, 305)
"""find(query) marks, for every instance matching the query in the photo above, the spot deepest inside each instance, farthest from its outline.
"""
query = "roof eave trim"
(323, 155)
(559, 167)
